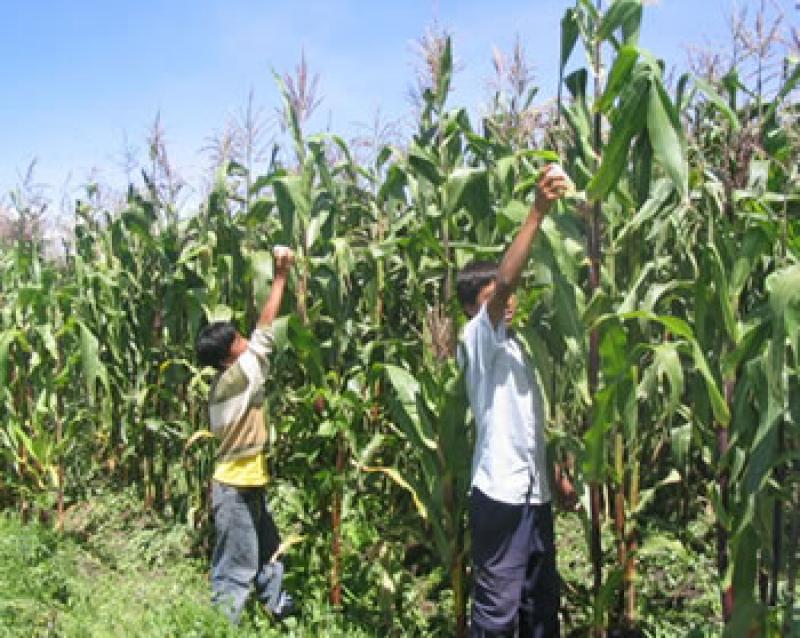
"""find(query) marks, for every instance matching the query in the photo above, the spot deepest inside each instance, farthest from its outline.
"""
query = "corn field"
(662, 306)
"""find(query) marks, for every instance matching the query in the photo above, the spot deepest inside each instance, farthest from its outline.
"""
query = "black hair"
(472, 278)
(214, 343)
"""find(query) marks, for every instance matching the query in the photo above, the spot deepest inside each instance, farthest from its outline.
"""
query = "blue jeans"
(246, 539)
(516, 584)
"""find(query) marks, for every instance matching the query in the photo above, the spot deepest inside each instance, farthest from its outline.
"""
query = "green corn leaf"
(570, 30)
(460, 186)
(746, 612)
(576, 82)
(412, 487)
(293, 205)
(48, 341)
(614, 351)
(680, 443)
(647, 496)
(314, 228)
(218, 312)
(7, 337)
(763, 454)
(625, 15)
(682, 94)
(666, 136)
(307, 347)
(682, 329)
(407, 388)
(719, 277)
(505, 167)
(451, 423)
(619, 76)
(717, 100)
(383, 156)
(394, 184)
(629, 120)
(752, 341)
(578, 120)
(783, 288)
(642, 169)
(261, 267)
(423, 163)
(791, 83)
(445, 74)
(90, 361)
(515, 212)
(594, 462)
(755, 245)
(667, 365)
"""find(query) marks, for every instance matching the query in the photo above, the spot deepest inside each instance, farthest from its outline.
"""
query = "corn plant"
(617, 172)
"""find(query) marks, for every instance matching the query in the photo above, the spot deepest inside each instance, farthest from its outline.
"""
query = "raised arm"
(284, 258)
(551, 186)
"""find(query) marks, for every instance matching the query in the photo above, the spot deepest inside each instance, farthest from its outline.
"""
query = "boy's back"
(235, 407)
(509, 460)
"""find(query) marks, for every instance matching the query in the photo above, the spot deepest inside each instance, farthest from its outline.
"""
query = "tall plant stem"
(780, 472)
(458, 581)
(632, 541)
(791, 568)
(381, 271)
(302, 284)
(22, 451)
(147, 469)
(60, 469)
(627, 540)
(777, 526)
(723, 444)
(156, 487)
(593, 241)
(336, 526)
(619, 512)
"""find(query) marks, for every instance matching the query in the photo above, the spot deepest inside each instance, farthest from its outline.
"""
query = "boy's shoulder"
(479, 327)
(230, 383)
(475, 323)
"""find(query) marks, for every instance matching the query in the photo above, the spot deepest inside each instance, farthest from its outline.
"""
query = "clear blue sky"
(79, 75)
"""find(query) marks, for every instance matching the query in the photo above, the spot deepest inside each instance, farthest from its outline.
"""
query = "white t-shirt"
(509, 463)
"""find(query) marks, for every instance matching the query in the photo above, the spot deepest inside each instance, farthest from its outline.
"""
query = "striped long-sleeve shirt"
(236, 413)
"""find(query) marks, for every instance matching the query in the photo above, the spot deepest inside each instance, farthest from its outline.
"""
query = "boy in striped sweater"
(246, 536)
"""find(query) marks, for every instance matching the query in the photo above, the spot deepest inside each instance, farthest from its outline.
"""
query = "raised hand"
(552, 185)
(284, 258)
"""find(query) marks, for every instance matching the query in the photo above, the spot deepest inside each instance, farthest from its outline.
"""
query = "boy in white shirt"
(516, 585)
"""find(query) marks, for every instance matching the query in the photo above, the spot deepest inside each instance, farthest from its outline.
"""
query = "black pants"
(516, 584)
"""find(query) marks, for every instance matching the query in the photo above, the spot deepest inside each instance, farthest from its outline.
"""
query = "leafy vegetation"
(662, 308)
(118, 570)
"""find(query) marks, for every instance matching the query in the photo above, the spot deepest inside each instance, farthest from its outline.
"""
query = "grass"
(119, 571)
(110, 574)
(677, 593)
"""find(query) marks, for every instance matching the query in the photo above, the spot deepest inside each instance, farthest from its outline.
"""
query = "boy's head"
(475, 284)
(219, 344)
